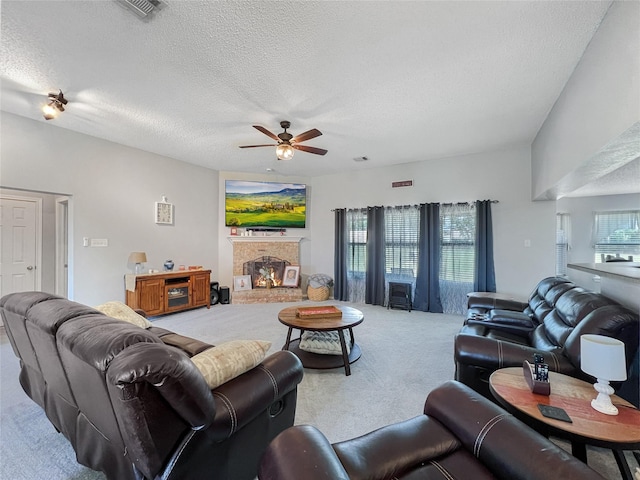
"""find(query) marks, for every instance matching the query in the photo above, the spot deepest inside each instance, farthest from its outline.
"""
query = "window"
(401, 243)
(563, 234)
(616, 234)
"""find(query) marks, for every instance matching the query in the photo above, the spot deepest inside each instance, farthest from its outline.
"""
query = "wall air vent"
(142, 8)
(403, 183)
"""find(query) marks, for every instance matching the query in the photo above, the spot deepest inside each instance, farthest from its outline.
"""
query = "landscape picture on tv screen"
(265, 204)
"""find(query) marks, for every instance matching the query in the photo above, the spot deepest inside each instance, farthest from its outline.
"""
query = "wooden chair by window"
(400, 296)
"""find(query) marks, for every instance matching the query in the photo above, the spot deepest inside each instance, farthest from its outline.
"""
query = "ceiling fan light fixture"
(56, 105)
(287, 143)
(284, 151)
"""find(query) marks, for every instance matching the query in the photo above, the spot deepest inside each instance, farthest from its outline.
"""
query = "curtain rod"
(417, 205)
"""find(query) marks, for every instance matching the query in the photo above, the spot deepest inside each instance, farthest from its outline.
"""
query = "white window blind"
(357, 228)
(401, 242)
(457, 234)
(616, 234)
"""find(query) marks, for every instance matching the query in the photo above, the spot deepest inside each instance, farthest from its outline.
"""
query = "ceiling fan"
(287, 143)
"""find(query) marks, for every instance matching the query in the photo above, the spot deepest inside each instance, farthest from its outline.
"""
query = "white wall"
(599, 103)
(581, 210)
(113, 189)
(503, 175)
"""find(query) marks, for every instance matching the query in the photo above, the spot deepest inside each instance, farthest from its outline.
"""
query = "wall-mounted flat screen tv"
(265, 204)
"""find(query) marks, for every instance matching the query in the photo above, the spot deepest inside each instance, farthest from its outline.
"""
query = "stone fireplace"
(251, 254)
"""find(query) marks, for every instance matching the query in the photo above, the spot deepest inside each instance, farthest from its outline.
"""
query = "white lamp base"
(602, 403)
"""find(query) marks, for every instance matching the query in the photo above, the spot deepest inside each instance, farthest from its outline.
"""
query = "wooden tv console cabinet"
(168, 292)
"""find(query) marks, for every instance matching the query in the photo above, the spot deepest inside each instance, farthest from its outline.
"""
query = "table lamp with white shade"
(138, 258)
(604, 358)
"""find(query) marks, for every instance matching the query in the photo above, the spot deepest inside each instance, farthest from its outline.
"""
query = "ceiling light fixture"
(55, 106)
(284, 151)
(287, 143)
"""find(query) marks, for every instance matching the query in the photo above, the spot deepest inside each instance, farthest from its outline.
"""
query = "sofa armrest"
(392, 451)
(510, 321)
(508, 448)
(283, 459)
(188, 345)
(240, 400)
(168, 371)
(490, 301)
(492, 354)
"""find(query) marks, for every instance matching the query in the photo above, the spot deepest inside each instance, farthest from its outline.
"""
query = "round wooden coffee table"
(350, 318)
(590, 427)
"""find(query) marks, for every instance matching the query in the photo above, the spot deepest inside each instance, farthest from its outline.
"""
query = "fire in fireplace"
(265, 269)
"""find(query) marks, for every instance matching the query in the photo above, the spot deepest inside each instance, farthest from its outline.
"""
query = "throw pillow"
(229, 360)
(325, 343)
(121, 311)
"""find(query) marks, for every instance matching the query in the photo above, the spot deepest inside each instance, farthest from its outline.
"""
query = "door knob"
(29, 267)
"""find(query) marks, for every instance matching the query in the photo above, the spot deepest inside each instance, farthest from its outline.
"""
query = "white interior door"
(19, 255)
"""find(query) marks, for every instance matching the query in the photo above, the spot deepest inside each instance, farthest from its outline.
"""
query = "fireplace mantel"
(272, 238)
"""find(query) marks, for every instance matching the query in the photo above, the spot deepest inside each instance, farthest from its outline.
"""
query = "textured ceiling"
(394, 81)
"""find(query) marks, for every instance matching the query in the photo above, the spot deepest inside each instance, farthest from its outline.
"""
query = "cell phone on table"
(554, 412)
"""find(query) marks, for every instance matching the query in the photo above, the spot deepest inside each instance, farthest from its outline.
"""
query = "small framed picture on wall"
(164, 213)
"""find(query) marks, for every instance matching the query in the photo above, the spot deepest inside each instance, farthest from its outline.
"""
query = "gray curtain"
(340, 288)
(427, 297)
(485, 276)
(374, 290)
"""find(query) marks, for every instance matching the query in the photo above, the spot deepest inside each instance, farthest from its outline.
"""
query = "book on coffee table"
(319, 311)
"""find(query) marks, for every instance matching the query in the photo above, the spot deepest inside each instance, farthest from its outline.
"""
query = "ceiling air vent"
(361, 159)
(142, 8)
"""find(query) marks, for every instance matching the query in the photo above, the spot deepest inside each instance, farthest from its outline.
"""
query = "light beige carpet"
(404, 356)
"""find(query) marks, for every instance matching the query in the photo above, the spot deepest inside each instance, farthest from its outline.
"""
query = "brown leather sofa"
(503, 333)
(461, 435)
(132, 403)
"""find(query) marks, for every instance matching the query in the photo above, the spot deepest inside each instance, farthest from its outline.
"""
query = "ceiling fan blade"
(253, 146)
(267, 132)
(304, 148)
(308, 135)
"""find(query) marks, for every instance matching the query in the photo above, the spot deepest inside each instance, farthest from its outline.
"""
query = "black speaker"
(224, 295)
(215, 295)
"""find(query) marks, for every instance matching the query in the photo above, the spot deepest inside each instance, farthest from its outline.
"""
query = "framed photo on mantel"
(241, 282)
(291, 276)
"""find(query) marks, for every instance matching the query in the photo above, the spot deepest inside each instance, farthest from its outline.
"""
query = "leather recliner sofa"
(132, 403)
(503, 333)
(460, 435)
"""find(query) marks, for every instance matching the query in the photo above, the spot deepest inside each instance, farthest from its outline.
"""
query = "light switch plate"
(99, 242)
